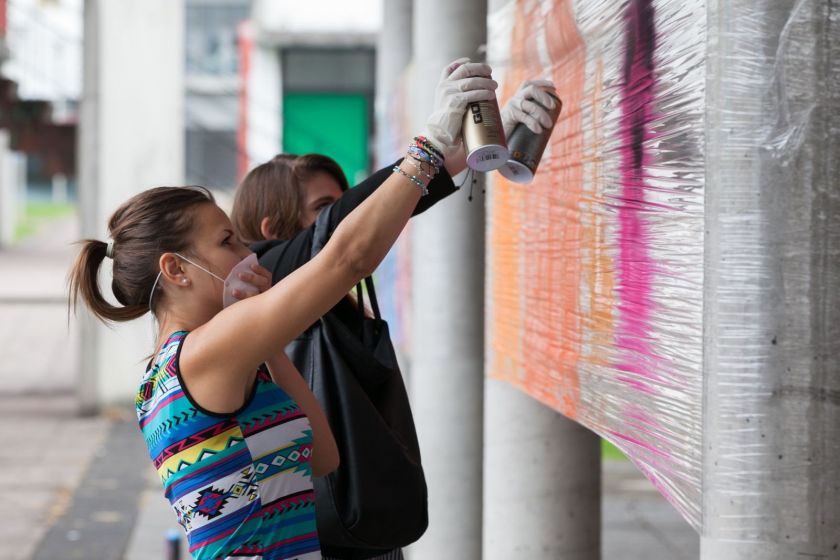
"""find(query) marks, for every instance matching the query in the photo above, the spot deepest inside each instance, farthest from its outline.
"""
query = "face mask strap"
(157, 278)
(220, 279)
(152, 293)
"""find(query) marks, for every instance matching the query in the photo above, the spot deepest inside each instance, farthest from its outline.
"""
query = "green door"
(333, 124)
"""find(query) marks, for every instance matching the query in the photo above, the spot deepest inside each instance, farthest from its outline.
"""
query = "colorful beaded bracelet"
(413, 179)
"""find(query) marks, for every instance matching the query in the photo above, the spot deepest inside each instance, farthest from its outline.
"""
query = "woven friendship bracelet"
(423, 141)
(422, 144)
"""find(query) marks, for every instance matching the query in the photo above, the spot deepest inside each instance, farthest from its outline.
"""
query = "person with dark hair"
(277, 203)
(231, 427)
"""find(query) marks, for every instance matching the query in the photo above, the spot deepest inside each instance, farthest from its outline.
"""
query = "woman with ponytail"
(231, 427)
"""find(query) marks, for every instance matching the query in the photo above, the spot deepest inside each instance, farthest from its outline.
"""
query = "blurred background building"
(40, 87)
(263, 77)
(212, 89)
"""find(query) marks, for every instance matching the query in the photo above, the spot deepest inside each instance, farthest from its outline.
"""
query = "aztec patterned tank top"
(240, 483)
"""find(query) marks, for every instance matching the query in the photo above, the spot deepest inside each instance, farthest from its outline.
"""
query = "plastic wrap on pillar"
(595, 270)
(771, 470)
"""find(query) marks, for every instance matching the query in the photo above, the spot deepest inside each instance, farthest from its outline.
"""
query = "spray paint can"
(526, 148)
(484, 136)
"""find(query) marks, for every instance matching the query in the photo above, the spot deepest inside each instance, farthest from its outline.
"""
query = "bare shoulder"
(210, 381)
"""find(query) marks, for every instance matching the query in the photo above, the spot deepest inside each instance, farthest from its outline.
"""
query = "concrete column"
(131, 139)
(771, 450)
(542, 481)
(9, 203)
(393, 55)
(447, 357)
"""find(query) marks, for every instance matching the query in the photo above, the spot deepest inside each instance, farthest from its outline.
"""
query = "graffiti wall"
(594, 300)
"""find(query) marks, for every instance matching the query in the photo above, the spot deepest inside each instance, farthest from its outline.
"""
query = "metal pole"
(542, 481)
(447, 373)
(772, 288)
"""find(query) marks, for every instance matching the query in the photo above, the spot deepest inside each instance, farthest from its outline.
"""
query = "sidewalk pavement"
(39, 348)
(97, 497)
(76, 487)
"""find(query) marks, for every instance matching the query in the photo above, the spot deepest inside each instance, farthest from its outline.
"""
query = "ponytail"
(149, 224)
(83, 281)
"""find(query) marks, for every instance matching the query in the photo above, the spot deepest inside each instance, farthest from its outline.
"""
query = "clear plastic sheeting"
(595, 270)
(671, 279)
(771, 469)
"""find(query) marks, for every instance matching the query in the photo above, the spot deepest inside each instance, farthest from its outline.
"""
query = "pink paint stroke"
(636, 267)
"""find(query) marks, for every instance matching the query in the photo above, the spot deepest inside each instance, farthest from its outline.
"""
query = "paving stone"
(102, 516)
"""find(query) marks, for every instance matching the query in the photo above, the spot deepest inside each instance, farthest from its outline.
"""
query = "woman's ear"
(265, 229)
(172, 271)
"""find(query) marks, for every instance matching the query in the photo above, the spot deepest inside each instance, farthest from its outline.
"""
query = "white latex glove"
(245, 280)
(461, 83)
(521, 107)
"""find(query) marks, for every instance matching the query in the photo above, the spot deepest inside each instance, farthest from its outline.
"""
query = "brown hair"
(151, 223)
(275, 190)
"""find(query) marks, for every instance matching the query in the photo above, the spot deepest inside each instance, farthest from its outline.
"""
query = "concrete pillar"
(59, 189)
(447, 357)
(393, 55)
(542, 480)
(10, 205)
(771, 449)
(131, 139)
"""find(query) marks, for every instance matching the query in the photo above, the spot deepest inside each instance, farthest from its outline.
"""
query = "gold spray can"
(484, 136)
(526, 148)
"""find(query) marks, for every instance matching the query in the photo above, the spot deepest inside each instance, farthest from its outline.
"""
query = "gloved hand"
(461, 83)
(521, 108)
(245, 280)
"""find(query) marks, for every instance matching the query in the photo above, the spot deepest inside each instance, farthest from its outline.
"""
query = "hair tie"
(109, 250)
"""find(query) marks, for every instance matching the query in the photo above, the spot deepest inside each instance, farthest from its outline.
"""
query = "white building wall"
(321, 17)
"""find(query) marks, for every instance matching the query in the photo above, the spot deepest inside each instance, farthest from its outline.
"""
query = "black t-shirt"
(282, 257)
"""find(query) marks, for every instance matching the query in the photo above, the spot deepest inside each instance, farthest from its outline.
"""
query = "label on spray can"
(484, 137)
(526, 148)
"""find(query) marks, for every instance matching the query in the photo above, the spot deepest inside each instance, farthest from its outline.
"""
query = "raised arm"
(244, 335)
(282, 258)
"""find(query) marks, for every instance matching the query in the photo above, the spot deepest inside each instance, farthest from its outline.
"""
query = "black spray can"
(526, 148)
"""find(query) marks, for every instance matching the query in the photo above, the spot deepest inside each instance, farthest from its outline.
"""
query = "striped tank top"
(240, 483)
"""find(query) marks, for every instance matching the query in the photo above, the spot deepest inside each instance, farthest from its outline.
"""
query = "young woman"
(231, 427)
(278, 202)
